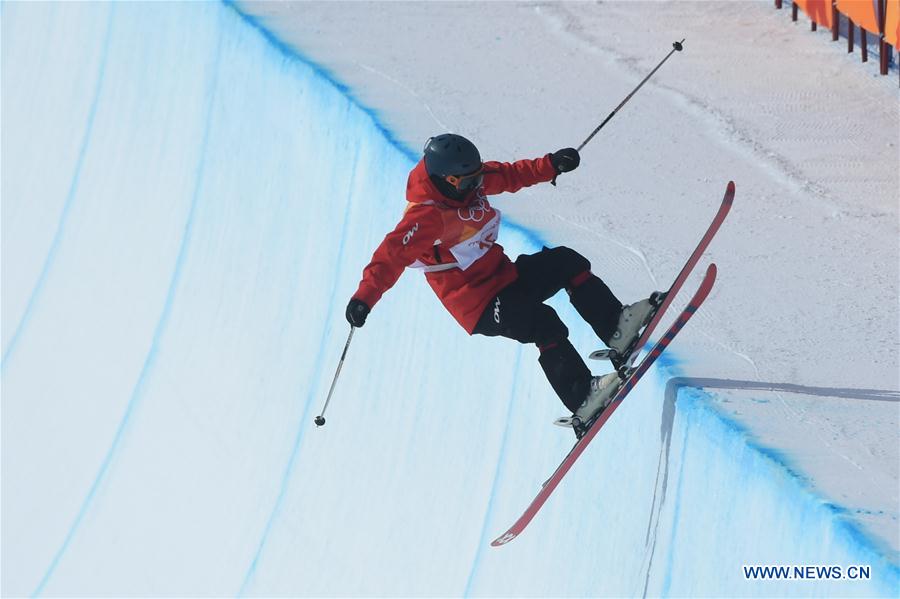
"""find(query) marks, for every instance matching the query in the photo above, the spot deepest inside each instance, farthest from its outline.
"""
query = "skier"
(449, 231)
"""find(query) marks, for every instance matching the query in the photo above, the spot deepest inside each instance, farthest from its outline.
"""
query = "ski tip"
(727, 200)
(709, 279)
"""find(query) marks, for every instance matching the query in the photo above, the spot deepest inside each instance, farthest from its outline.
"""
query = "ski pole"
(320, 419)
(675, 47)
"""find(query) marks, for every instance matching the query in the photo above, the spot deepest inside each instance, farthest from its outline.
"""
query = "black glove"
(357, 312)
(565, 160)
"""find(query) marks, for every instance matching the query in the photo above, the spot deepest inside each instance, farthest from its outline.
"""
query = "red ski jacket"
(453, 243)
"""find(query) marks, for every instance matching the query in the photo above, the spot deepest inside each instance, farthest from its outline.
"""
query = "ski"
(551, 484)
(623, 363)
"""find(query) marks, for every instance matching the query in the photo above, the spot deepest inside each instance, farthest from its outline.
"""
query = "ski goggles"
(466, 182)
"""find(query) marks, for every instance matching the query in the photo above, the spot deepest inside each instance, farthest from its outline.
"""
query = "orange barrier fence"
(880, 18)
(892, 26)
(861, 12)
(820, 11)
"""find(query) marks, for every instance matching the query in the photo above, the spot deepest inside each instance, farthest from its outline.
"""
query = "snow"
(810, 256)
(180, 236)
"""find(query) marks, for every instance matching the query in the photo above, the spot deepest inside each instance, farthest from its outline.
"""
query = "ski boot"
(632, 320)
(603, 389)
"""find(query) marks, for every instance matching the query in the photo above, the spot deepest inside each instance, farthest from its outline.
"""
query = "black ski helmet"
(451, 154)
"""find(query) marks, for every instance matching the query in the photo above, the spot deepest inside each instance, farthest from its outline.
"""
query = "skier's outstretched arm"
(510, 177)
(413, 236)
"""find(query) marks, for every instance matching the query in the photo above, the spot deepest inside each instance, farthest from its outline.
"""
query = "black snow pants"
(519, 312)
